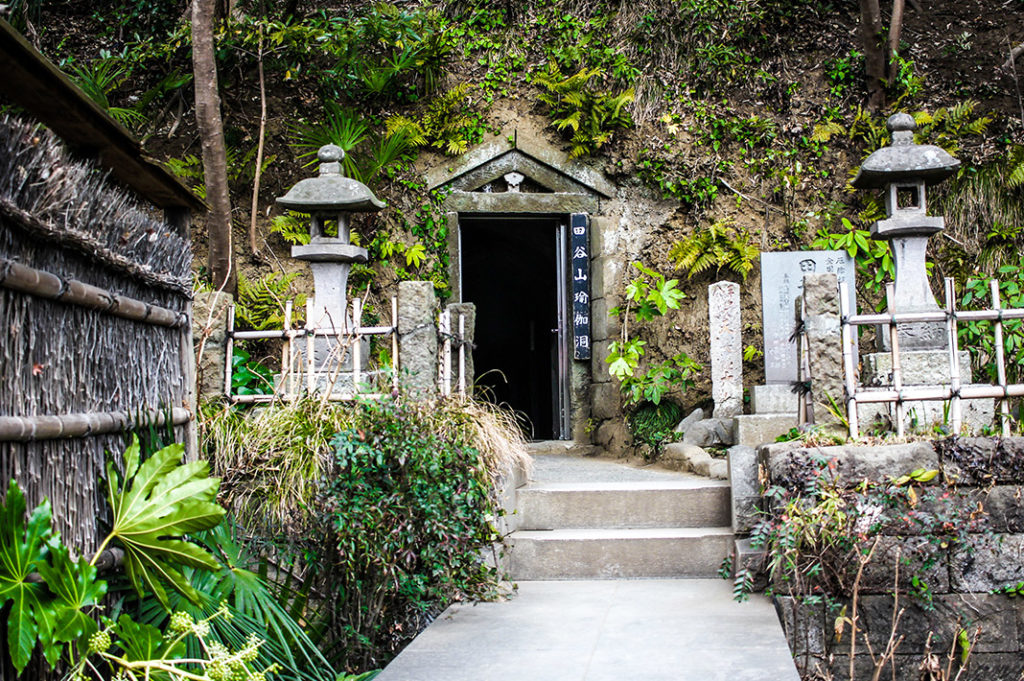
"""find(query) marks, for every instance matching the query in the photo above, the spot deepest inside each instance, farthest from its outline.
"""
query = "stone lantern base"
(922, 368)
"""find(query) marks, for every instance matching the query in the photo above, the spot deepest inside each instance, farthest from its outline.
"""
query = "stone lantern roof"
(904, 160)
(331, 191)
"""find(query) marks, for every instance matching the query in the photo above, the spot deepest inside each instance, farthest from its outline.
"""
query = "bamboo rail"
(28, 280)
(28, 428)
(953, 392)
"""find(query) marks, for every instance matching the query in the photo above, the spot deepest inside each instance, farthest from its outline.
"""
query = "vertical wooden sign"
(579, 244)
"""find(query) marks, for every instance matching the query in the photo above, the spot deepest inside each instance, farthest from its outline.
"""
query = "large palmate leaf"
(158, 503)
(22, 548)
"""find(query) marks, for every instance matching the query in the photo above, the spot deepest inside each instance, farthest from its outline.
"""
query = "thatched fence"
(95, 304)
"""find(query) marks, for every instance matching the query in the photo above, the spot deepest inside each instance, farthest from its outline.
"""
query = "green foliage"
(873, 258)
(948, 126)
(292, 226)
(448, 123)
(249, 377)
(979, 336)
(407, 513)
(366, 156)
(51, 613)
(100, 78)
(260, 303)
(691, 191)
(718, 246)
(821, 532)
(589, 116)
(239, 605)
(905, 83)
(155, 504)
(651, 424)
(844, 72)
(648, 296)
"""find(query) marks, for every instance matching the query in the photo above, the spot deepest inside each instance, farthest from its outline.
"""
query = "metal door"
(560, 374)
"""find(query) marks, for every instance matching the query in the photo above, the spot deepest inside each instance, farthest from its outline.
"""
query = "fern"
(721, 245)
(447, 123)
(590, 116)
(292, 226)
(260, 303)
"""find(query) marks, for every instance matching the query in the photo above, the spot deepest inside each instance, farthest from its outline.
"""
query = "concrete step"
(692, 502)
(618, 553)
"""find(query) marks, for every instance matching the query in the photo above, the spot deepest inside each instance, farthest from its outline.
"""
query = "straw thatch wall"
(96, 357)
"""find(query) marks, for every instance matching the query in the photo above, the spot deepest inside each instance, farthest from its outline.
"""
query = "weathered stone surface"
(613, 437)
(603, 326)
(756, 429)
(417, 336)
(990, 566)
(605, 273)
(708, 432)
(917, 367)
(746, 489)
(725, 329)
(598, 362)
(805, 628)
(853, 464)
(983, 460)
(775, 398)
(681, 456)
(746, 557)
(606, 401)
(718, 469)
(468, 313)
(825, 348)
(694, 416)
(912, 554)
(1005, 507)
(781, 284)
(209, 336)
(997, 616)
(516, 202)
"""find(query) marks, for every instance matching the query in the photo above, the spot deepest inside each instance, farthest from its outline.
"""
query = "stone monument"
(726, 349)
(330, 197)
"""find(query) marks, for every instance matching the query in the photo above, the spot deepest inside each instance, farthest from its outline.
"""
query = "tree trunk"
(895, 28)
(874, 52)
(211, 133)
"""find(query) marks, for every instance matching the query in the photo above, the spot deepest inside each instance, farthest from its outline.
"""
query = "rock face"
(417, 336)
(709, 432)
(726, 348)
(825, 348)
(695, 415)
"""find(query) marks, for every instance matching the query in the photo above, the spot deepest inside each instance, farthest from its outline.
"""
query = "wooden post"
(897, 372)
(310, 349)
(1004, 403)
(357, 316)
(287, 355)
(394, 343)
(848, 363)
(462, 355)
(229, 352)
(955, 408)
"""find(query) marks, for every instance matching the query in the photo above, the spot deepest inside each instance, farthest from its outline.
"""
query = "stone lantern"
(903, 170)
(330, 196)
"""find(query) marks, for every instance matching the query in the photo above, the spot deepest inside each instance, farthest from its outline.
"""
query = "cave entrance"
(514, 269)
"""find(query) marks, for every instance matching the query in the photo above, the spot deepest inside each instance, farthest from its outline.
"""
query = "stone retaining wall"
(987, 475)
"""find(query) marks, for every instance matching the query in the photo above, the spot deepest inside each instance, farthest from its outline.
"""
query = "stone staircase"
(588, 518)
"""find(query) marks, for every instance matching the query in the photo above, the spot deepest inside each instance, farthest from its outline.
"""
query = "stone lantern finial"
(904, 169)
(330, 197)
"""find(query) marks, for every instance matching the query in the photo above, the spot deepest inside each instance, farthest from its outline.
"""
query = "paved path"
(654, 630)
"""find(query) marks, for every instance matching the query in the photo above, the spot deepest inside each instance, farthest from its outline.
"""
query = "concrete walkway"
(655, 630)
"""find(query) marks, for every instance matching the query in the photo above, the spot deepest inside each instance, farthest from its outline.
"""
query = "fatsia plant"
(155, 504)
(51, 611)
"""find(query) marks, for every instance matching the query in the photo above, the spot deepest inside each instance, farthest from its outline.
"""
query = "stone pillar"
(726, 349)
(417, 336)
(824, 344)
(468, 312)
(209, 336)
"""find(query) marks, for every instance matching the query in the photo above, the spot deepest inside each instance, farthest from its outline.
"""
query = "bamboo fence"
(95, 299)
